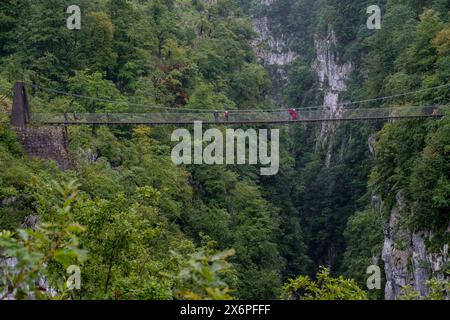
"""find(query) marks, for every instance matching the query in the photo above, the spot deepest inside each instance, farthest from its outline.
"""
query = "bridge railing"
(275, 116)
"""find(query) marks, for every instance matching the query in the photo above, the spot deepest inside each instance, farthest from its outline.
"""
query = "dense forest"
(347, 196)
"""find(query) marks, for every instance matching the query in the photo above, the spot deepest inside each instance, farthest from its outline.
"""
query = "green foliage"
(202, 278)
(250, 85)
(412, 157)
(327, 196)
(97, 37)
(31, 256)
(301, 89)
(364, 241)
(415, 160)
(136, 206)
(248, 224)
(281, 190)
(324, 287)
(430, 180)
(437, 290)
(204, 97)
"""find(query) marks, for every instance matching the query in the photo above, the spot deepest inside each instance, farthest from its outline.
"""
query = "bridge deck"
(236, 117)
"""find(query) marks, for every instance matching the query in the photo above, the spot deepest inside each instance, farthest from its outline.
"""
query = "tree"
(364, 240)
(324, 288)
(437, 290)
(250, 86)
(97, 49)
(94, 85)
(202, 278)
(34, 261)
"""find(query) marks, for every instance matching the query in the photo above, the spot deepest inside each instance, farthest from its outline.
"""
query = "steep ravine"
(407, 260)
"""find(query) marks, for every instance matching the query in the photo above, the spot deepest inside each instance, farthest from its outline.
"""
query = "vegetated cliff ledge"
(47, 143)
(333, 76)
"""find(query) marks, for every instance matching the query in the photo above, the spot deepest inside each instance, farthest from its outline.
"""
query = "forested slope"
(143, 228)
(345, 224)
(177, 54)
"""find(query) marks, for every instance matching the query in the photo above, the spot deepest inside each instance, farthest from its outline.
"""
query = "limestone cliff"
(272, 50)
(407, 260)
(332, 77)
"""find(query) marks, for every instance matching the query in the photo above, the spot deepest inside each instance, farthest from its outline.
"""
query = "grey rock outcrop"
(406, 258)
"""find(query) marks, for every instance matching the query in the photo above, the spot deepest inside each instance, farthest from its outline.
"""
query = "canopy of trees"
(142, 228)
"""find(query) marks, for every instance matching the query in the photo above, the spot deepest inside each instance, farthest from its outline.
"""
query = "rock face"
(270, 49)
(371, 142)
(273, 51)
(48, 143)
(406, 258)
(331, 73)
(332, 78)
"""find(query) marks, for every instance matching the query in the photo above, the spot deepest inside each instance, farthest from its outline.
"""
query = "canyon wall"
(407, 260)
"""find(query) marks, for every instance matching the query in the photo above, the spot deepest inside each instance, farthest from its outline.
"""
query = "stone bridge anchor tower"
(46, 142)
(20, 115)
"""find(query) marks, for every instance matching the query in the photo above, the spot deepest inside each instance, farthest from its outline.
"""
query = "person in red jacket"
(293, 113)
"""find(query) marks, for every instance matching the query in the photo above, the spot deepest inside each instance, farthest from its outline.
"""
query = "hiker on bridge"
(431, 111)
(293, 113)
(216, 116)
(226, 114)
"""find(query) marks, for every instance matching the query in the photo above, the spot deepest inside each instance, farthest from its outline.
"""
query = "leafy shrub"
(324, 287)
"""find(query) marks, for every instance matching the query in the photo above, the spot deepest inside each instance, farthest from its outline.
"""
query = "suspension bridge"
(22, 115)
